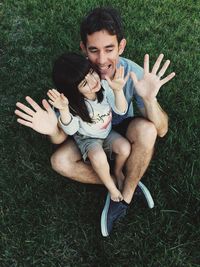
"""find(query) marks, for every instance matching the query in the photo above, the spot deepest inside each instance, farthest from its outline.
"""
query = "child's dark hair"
(68, 71)
(102, 19)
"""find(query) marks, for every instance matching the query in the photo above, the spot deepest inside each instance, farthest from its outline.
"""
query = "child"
(85, 112)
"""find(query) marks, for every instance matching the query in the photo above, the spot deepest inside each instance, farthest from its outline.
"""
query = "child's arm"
(117, 84)
(67, 121)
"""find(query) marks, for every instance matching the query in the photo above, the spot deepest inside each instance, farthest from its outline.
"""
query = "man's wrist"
(149, 102)
(54, 133)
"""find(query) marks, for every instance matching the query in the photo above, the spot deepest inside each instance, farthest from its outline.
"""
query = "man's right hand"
(43, 121)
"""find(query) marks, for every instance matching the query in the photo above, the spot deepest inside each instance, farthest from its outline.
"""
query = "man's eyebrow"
(95, 48)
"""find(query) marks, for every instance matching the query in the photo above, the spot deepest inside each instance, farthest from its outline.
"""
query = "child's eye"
(84, 83)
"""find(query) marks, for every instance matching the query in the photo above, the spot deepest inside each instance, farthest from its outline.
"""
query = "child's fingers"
(134, 77)
(126, 78)
(122, 72)
(51, 102)
(64, 98)
(52, 97)
(56, 92)
(108, 80)
(117, 73)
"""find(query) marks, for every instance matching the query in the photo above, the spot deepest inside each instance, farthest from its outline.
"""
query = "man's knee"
(64, 159)
(143, 132)
(58, 161)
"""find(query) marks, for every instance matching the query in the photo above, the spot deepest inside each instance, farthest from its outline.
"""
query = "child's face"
(90, 84)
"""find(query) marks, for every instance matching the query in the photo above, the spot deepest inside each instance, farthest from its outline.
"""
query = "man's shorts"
(122, 127)
(85, 143)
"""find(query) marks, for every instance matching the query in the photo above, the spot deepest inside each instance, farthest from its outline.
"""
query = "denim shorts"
(86, 143)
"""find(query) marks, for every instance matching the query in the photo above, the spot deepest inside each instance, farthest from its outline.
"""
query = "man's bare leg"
(142, 135)
(67, 161)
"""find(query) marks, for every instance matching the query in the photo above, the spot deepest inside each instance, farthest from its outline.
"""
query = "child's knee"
(124, 148)
(97, 156)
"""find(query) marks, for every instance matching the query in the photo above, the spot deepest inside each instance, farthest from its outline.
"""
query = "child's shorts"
(85, 143)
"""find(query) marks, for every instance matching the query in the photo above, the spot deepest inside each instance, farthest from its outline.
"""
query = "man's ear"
(122, 46)
(83, 48)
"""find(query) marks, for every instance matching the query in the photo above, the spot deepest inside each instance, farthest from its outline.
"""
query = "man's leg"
(67, 161)
(142, 135)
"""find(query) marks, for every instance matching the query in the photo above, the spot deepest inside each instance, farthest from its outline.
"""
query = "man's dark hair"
(102, 19)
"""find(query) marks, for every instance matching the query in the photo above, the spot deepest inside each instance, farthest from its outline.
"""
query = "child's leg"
(100, 164)
(122, 148)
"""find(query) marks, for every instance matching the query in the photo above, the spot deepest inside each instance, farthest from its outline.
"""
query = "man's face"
(103, 50)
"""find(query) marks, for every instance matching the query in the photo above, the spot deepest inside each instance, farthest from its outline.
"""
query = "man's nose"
(102, 58)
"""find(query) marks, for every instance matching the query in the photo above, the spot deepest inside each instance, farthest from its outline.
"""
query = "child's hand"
(118, 82)
(57, 100)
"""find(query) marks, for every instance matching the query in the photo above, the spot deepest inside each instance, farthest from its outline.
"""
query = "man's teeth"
(105, 68)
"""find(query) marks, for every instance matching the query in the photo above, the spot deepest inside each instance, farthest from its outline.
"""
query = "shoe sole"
(147, 195)
(104, 229)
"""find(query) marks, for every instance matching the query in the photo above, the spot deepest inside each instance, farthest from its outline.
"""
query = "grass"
(47, 220)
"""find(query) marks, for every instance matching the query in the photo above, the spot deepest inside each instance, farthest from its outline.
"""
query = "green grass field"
(47, 220)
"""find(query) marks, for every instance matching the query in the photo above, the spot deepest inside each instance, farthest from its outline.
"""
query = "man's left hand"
(149, 86)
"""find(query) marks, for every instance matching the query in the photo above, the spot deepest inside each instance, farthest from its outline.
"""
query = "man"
(103, 42)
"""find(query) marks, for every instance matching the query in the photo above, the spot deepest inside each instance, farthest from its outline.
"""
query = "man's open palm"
(149, 86)
(43, 121)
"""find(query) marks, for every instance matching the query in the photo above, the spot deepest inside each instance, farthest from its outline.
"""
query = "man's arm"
(157, 115)
(58, 137)
(148, 87)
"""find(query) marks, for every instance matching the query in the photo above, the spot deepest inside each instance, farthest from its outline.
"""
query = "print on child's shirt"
(101, 120)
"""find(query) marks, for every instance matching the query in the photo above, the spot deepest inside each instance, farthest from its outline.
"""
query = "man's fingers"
(51, 102)
(168, 78)
(146, 63)
(32, 103)
(164, 68)
(26, 123)
(23, 115)
(25, 109)
(157, 64)
(46, 105)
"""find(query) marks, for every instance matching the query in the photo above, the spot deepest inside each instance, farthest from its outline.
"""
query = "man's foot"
(143, 192)
(111, 213)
